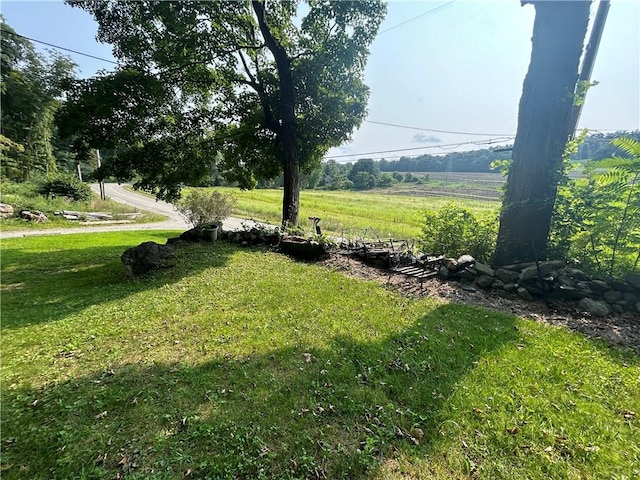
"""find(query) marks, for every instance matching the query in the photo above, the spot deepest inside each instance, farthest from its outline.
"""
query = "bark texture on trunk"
(289, 129)
(543, 130)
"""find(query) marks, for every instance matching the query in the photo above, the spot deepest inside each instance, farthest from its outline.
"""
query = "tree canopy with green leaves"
(271, 85)
(31, 92)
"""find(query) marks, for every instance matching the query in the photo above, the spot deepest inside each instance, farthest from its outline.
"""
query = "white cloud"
(424, 138)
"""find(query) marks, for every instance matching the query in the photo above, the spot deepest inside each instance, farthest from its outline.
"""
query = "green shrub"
(409, 177)
(597, 218)
(27, 196)
(202, 208)
(454, 231)
(19, 189)
(65, 186)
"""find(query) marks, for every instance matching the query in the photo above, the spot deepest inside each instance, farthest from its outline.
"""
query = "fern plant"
(597, 218)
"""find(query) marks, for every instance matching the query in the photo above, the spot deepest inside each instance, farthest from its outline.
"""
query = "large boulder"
(597, 308)
(35, 216)
(145, 257)
(6, 210)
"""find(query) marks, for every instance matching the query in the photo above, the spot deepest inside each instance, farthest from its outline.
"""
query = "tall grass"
(398, 216)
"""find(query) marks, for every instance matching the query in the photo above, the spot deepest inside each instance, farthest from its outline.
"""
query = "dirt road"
(175, 221)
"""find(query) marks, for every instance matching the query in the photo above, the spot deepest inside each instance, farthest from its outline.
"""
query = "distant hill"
(597, 146)
(594, 147)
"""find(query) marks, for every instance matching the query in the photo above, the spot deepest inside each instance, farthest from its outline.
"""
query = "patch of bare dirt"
(620, 330)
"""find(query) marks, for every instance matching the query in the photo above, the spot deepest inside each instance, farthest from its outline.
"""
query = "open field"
(241, 363)
(480, 186)
(351, 212)
(467, 185)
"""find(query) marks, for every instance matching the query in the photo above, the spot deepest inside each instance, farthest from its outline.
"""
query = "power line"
(367, 121)
(416, 17)
(455, 145)
(57, 46)
(451, 145)
(439, 131)
(115, 63)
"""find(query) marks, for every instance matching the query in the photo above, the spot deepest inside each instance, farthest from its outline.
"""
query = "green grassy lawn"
(242, 363)
(351, 212)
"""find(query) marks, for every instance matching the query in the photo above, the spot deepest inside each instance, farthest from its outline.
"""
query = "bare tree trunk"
(289, 131)
(543, 129)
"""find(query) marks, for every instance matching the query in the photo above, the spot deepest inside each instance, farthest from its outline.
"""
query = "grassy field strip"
(242, 363)
(398, 216)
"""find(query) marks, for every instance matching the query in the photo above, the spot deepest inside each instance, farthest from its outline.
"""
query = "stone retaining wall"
(550, 280)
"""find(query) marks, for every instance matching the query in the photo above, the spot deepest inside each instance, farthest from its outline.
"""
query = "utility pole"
(103, 194)
(589, 59)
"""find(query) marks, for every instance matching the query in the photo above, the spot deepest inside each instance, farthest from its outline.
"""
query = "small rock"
(467, 260)
(466, 286)
(528, 273)
(484, 269)
(518, 267)
(584, 288)
(497, 283)
(570, 292)
(597, 308)
(507, 276)
(599, 286)
(573, 273)
(565, 280)
(612, 296)
(542, 269)
(619, 285)
(630, 298)
(510, 287)
(618, 308)
(444, 273)
(534, 290)
(524, 293)
(6, 210)
(468, 274)
(451, 264)
(484, 281)
(505, 294)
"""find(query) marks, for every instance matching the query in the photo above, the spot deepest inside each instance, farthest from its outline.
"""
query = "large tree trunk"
(289, 130)
(543, 129)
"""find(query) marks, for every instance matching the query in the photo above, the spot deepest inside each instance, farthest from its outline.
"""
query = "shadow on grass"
(54, 277)
(291, 413)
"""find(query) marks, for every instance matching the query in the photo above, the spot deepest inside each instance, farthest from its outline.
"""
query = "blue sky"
(458, 68)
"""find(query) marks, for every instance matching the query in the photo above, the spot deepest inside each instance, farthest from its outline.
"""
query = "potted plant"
(206, 211)
(210, 232)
